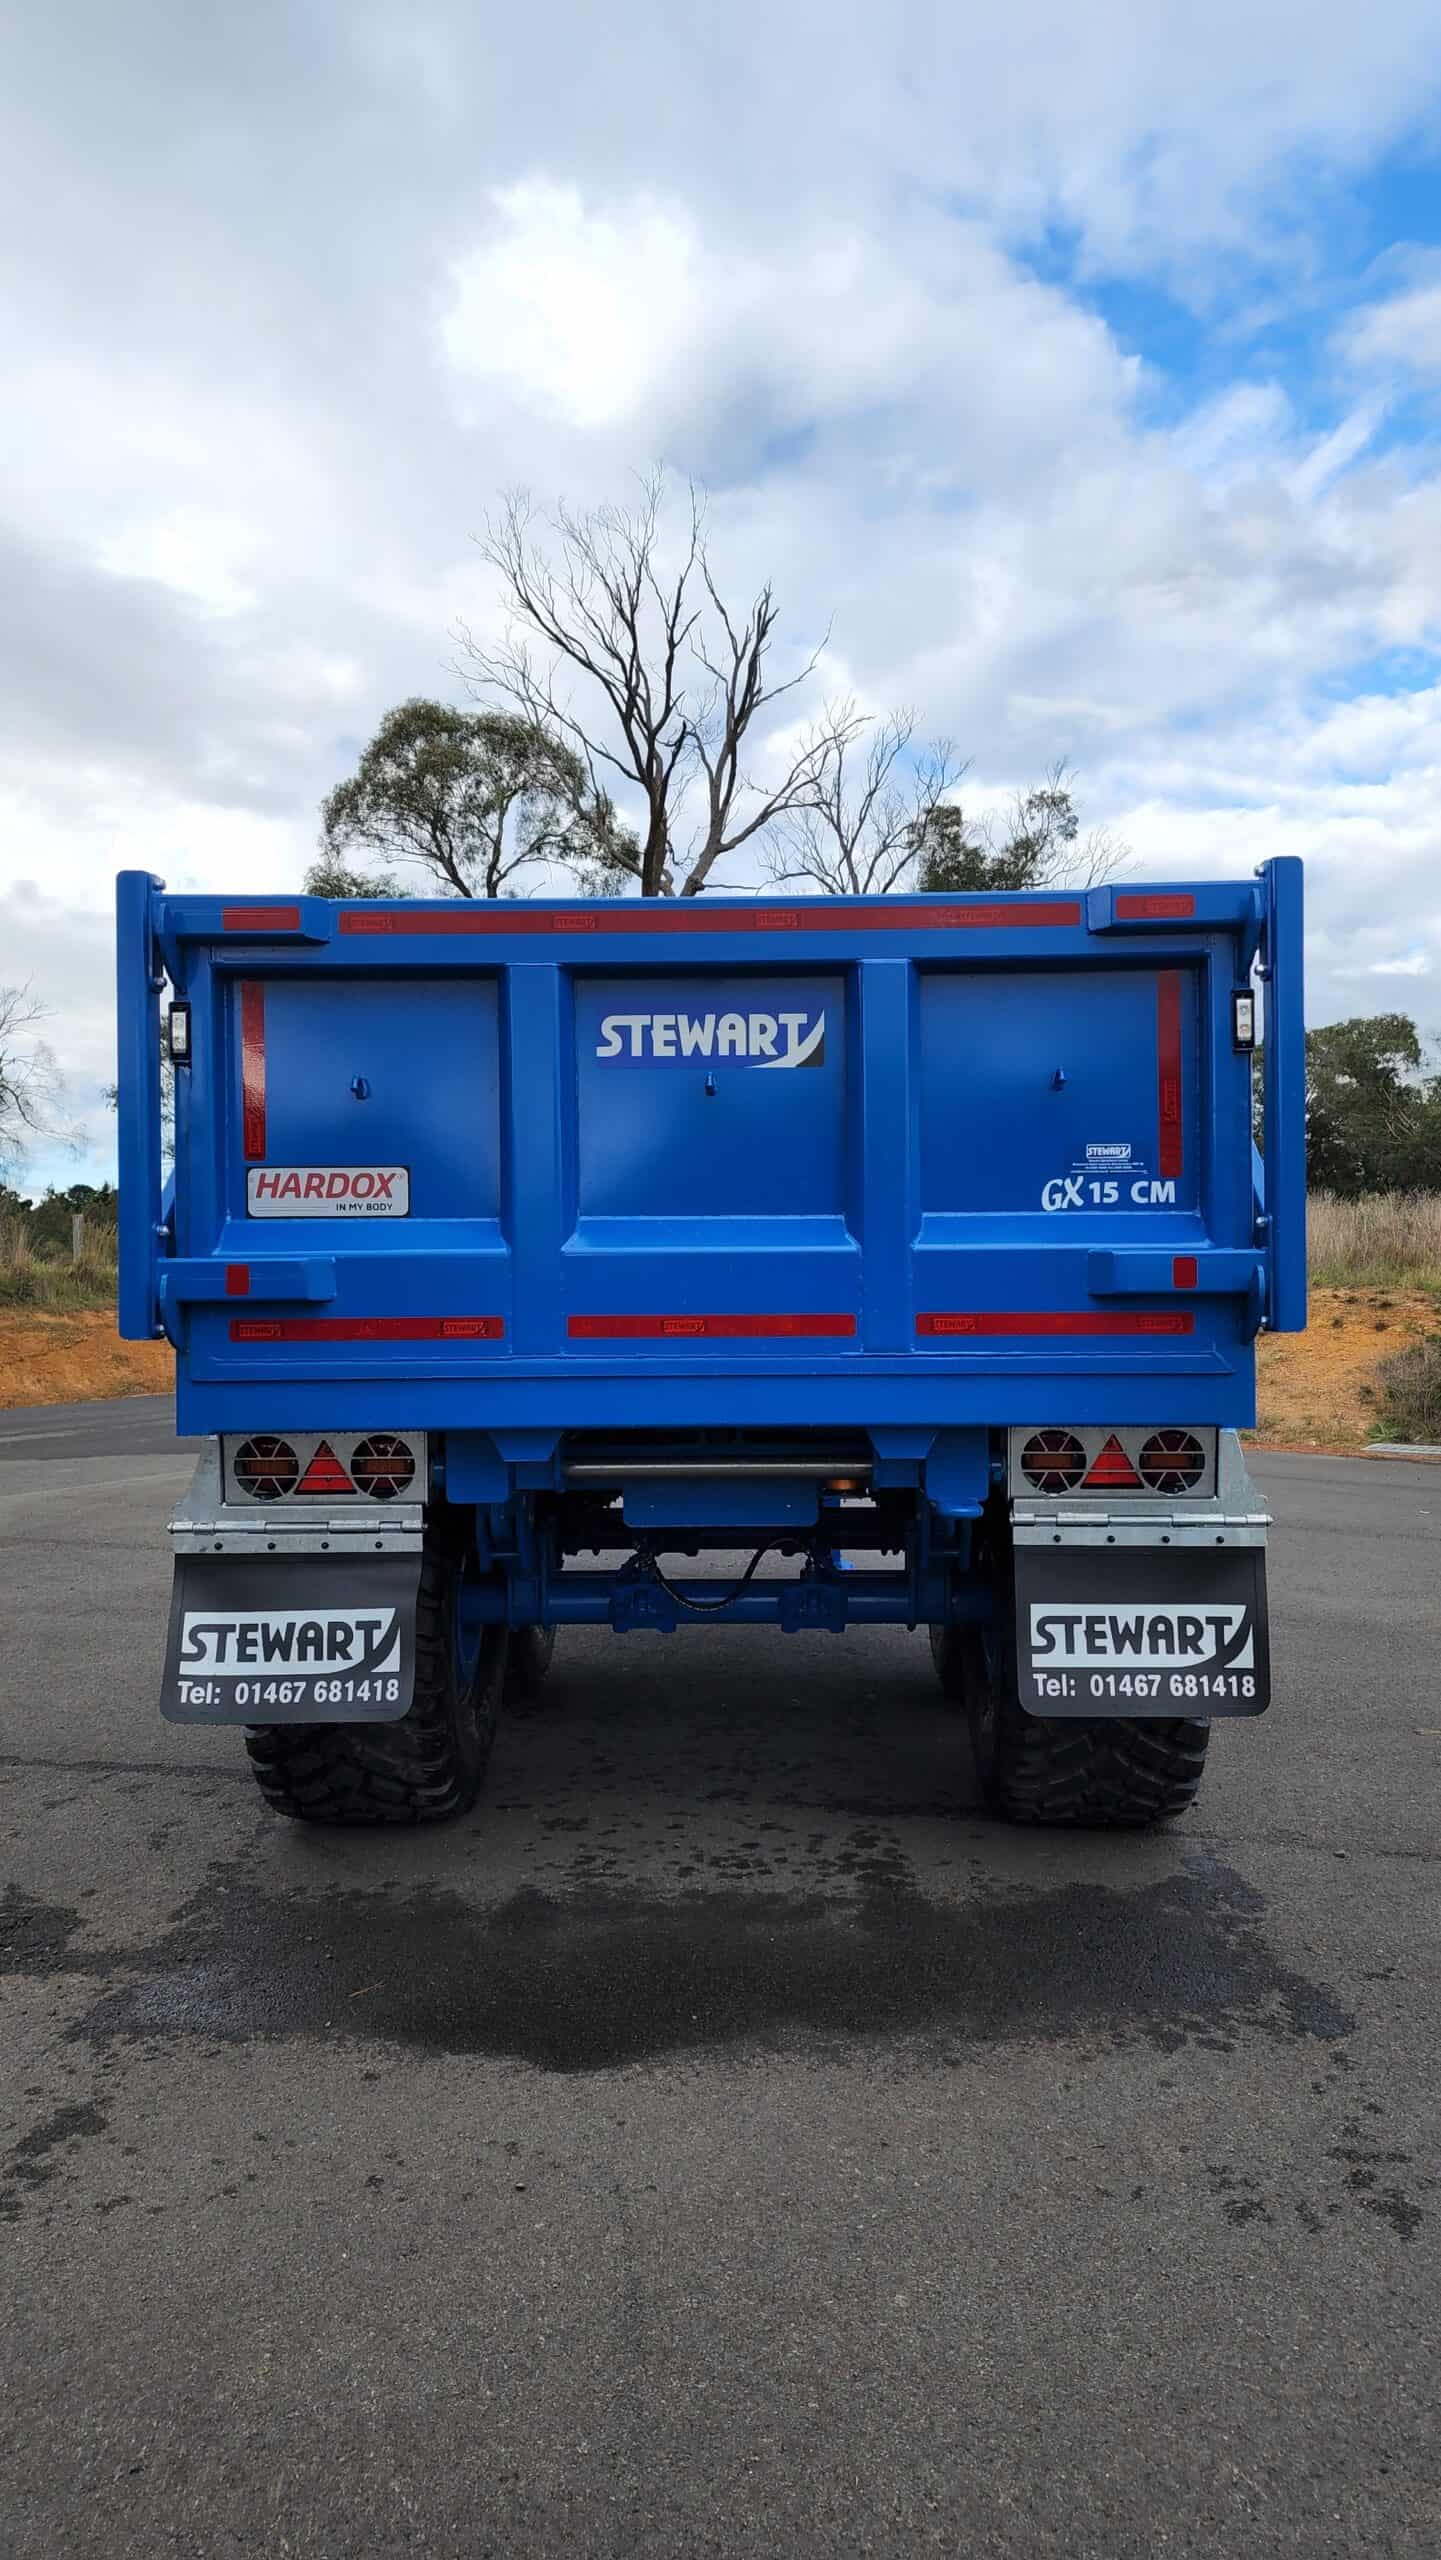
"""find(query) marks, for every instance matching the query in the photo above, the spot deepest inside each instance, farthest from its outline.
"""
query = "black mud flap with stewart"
(311, 1639)
(1142, 1631)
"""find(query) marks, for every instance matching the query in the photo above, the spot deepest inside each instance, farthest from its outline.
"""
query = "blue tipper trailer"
(521, 1260)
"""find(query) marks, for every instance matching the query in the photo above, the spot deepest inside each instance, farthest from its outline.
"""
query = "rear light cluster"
(1053, 1461)
(1172, 1462)
(1130, 1461)
(265, 1468)
(383, 1467)
(379, 1466)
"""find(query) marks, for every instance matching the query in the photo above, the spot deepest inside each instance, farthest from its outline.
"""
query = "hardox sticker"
(328, 1191)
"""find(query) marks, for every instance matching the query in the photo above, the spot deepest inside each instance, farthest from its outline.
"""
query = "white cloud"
(193, 550)
(261, 387)
(627, 311)
(581, 313)
(1402, 332)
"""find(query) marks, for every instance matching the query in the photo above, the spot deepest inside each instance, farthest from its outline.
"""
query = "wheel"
(428, 1765)
(1103, 1773)
(527, 1663)
(953, 1651)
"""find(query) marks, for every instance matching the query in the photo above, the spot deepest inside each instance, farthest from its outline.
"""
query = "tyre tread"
(1104, 1773)
(412, 1771)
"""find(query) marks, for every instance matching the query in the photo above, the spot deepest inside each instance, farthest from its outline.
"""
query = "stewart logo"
(1210, 1637)
(795, 1039)
(234, 1642)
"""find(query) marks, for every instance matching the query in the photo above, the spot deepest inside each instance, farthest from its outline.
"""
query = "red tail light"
(268, 1468)
(1053, 1461)
(1172, 1462)
(383, 1466)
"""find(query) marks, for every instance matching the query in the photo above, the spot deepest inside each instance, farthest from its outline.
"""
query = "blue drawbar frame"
(513, 1397)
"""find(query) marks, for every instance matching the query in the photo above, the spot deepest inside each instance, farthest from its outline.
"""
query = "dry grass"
(31, 1278)
(1388, 1240)
(1408, 1388)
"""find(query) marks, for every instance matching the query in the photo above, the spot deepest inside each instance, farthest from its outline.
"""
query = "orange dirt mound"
(1312, 1387)
(67, 1359)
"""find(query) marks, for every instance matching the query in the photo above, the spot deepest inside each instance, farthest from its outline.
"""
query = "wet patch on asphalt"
(600, 1977)
(36, 1937)
(35, 2159)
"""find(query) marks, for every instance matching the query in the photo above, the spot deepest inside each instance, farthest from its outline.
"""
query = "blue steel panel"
(539, 1115)
(683, 1113)
(1164, 1386)
(740, 1278)
(428, 1054)
(1285, 1098)
(873, 1166)
(137, 1104)
(883, 1144)
(1030, 1078)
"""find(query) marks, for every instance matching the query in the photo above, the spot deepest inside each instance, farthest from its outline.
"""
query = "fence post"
(77, 1235)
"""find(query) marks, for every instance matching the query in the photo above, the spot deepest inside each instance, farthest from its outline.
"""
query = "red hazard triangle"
(325, 1474)
(1112, 1471)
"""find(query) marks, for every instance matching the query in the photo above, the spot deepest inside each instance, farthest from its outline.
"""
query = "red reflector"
(1134, 906)
(1029, 1321)
(367, 1329)
(1168, 1059)
(894, 915)
(1183, 1271)
(260, 919)
(1112, 1470)
(237, 1279)
(709, 1328)
(325, 1474)
(252, 1067)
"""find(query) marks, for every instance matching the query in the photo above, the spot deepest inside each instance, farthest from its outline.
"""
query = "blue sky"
(1080, 371)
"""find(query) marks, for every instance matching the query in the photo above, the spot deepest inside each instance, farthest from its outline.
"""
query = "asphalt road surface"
(727, 2141)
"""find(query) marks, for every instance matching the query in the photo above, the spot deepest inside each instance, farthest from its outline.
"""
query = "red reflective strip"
(237, 1279)
(1183, 1271)
(367, 1329)
(260, 919)
(1137, 905)
(1168, 1068)
(252, 1067)
(706, 1328)
(1029, 1321)
(892, 915)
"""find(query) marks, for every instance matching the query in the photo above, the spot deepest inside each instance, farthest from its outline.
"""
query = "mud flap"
(311, 1639)
(1142, 1631)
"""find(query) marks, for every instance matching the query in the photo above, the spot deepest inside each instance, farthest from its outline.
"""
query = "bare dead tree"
(673, 685)
(29, 1078)
(853, 832)
(738, 810)
(889, 821)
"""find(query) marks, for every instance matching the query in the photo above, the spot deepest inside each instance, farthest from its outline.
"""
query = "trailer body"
(904, 1239)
